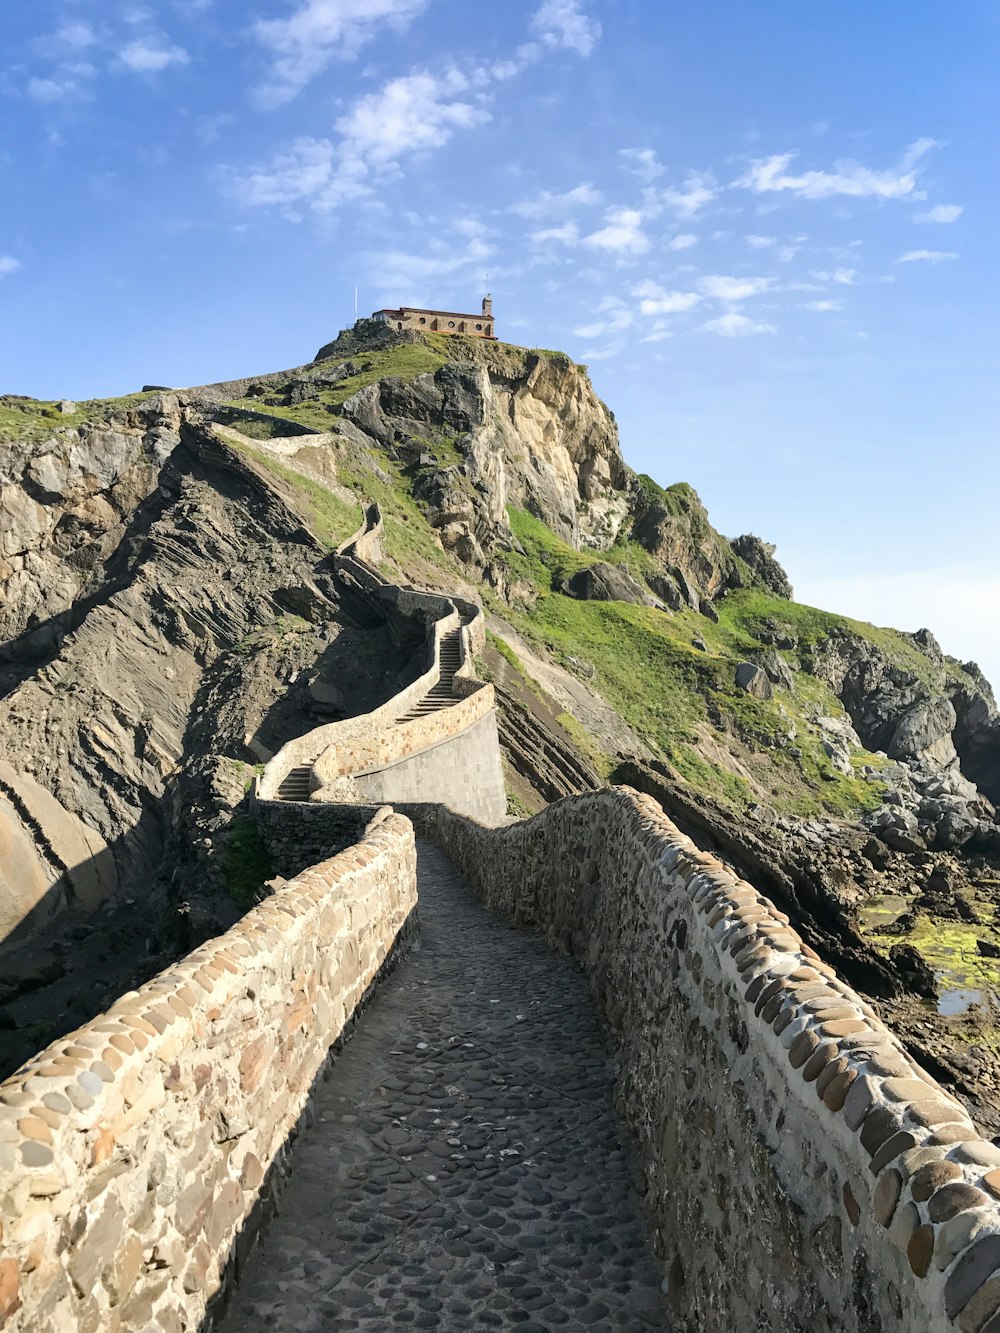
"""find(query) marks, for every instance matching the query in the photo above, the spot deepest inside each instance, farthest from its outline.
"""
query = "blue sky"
(768, 229)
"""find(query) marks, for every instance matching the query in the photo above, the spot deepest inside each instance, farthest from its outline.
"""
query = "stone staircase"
(296, 784)
(442, 694)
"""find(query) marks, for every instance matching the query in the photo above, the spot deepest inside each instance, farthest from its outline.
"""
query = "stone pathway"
(465, 1169)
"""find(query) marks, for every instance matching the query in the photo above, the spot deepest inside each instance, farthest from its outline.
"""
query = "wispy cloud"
(318, 32)
(8, 265)
(657, 300)
(685, 241)
(408, 115)
(549, 204)
(567, 234)
(453, 255)
(824, 307)
(843, 277)
(411, 114)
(150, 55)
(642, 162)
(733, 325)
(562, 23)
(697, 191)
(926, 256)
(941, 213)
(847, 177)
(623, 234)
(736, 325)
(616, 317)
(723, 288)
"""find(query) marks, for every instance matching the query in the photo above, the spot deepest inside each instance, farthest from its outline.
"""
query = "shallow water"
(958, 1000)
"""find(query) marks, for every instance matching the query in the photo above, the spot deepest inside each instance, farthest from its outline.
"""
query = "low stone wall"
(464, 771)
(373, 741)
(297, 835)
(374, 746)
(801, 1171)
(133, 1150)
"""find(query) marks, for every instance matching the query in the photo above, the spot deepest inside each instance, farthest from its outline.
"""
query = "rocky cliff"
(167, 620)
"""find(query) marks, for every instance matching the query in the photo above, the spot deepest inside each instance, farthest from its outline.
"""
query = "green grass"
(331, 518)
(671, 693)
(31, 419)
(246, 862)
(406, 362)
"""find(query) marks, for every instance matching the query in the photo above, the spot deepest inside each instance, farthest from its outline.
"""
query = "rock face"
(64, 508)
(699, 564)
(531, 433)
(940, 716)
(608, 583)
(117, 732)
(760, 557)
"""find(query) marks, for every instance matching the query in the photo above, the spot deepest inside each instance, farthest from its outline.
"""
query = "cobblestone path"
(465, 1169)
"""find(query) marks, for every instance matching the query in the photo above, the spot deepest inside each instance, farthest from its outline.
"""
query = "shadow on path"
(465, 1169)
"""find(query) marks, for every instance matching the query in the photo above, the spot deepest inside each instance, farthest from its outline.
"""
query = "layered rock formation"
(166, 622)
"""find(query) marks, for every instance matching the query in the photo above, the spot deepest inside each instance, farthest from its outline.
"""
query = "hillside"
(167, 621)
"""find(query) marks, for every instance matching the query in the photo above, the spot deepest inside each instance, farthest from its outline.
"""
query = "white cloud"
(567, 234)
(149, 56)
(736, 326)
(926, 256)
(696, 192)
(409, 114)
(683, 242)
(77, 35)
(617, 318)
(560, 23)
(548, 204)
(823, 307)
(843, 277)
(623, 233)
(761, 242)
(413, 113)
(642, 162)
(319, 31)
(656, 300)
(50, 90)
(398, 271)
(771, 174)
(8, 265)
(941, 213)
(723, 288)
(294, 176)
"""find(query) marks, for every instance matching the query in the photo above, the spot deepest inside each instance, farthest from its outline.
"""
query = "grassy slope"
(32, 419)
(672, 693)
(681, 700)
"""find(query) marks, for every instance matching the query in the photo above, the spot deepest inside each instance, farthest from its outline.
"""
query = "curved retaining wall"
(398, 758)
(133, 1151)
(800, 1170)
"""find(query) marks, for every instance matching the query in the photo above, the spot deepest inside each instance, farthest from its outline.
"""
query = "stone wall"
(297, 835)
(464, 772)
(800, 1170)
(375, 740)
(133, 1150)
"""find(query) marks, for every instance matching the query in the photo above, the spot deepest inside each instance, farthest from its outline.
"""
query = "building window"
(423, 320)
(451, 323)
(479, 327)
(400, 325)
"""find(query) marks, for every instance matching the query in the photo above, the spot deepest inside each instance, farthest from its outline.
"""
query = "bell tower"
(488, 306)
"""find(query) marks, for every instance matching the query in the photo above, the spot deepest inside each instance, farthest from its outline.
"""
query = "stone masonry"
(803, 1173)
(134, 1150)
(465, 1169)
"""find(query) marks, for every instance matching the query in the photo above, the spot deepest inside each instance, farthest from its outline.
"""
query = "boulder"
(753, 680)
(607, 583)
